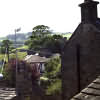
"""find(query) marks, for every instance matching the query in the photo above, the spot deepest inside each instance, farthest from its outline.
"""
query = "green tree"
(6, 47)
(42, 38)
(55, 43)
(37, 40)
(41, 30)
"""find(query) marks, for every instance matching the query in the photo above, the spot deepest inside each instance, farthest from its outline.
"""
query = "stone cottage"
(81, 55)
(36, 59)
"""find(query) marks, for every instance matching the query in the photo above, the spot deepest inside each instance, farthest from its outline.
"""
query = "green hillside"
(68, 35)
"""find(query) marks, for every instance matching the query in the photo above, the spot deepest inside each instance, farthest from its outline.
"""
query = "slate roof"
(7, 93)
(35, 58)
(91, 92)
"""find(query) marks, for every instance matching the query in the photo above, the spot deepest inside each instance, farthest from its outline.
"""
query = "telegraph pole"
(16, 30)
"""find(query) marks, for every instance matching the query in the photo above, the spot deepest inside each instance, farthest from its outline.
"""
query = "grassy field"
(23, 47)
(20, 55)
(2, 38)
(2, 56)
(68, 35)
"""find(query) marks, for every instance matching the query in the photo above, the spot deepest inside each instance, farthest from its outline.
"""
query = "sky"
(59, 15)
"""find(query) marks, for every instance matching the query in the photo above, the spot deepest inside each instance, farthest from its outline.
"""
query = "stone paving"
(7, 93)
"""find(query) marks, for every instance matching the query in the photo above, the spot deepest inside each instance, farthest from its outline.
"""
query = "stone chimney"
(89, 11)
(81, 55)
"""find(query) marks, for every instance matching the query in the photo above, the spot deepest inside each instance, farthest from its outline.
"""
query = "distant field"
(21, 55)
(2, 38)
(2, 57)
(68, 35)
(23, 47)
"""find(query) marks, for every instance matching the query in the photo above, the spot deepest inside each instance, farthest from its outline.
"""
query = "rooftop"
(35, 58)
(91, 92)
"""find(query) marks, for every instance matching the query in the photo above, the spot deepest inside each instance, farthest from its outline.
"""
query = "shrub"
(10, 73)
(10, 70)
(52, 85)
(52, 68)
(54, 88)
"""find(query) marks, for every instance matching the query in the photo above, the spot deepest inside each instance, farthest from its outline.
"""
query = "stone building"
(81, 55)
(36, 59)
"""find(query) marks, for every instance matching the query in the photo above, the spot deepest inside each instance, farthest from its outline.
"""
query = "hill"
(19, 36)
(22, 37)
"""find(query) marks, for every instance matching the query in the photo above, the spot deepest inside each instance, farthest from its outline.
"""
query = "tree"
(41, 30)
(42, 38)
(6, 47)
(36, 41)
(55, 43)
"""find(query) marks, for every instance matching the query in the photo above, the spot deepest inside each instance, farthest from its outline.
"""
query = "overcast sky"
(59, 15)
